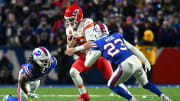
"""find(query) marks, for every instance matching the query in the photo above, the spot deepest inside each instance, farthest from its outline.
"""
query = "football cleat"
(165, 98)
(5, 98)
(133, 99)
(84, 97)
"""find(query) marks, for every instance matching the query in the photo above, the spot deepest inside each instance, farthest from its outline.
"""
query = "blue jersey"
(112, 48)
(32, 75)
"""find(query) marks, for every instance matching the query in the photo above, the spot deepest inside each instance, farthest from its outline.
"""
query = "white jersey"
(84, 32)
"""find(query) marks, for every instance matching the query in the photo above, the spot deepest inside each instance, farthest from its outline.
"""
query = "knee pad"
(73, 72)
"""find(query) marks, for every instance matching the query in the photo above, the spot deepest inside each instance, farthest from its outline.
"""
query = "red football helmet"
(73, 15)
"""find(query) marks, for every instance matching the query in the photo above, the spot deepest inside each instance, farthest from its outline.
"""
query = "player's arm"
(89, 34)
(91, 57)
(85, 46)
(22, 82)
(139, 54)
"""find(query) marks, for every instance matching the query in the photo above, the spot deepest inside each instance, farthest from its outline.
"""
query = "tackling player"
(80, 32)
(40, 63)
(120, 52)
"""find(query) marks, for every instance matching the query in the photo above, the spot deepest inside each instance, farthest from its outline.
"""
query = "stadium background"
(26, 24)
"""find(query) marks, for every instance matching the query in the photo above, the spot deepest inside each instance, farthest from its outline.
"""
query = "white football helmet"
(42, 57)
(101, 31)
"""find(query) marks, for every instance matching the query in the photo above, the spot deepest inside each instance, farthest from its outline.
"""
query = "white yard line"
(90, 95)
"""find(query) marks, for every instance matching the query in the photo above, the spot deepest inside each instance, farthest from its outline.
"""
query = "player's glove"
(33, 95)
(147, 67)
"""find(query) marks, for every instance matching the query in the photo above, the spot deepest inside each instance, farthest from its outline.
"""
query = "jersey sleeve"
(53, 65)
(94, 46)
(89, 30)
(54, 62)
(28, 72)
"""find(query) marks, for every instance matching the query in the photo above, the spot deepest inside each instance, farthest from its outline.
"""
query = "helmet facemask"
(44, 64)
(71, 21)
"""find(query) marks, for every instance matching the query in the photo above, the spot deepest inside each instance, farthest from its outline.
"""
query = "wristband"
(79, 48)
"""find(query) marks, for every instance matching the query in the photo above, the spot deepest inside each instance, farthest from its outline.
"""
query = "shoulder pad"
(88, 21)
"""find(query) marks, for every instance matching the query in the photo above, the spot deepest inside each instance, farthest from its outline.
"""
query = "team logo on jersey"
(70, 32)
(37, 53)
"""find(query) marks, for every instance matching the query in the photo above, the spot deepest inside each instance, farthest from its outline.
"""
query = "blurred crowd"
(30, 23)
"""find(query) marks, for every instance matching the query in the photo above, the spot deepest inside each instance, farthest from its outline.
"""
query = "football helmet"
(42, 57)
(101, 30)
(73, 15)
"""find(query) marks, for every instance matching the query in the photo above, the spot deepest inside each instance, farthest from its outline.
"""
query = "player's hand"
(147, 67)
(33, 95)
(72, 41)
(70, 51)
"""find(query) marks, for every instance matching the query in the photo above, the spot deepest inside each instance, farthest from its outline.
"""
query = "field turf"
(96, 94)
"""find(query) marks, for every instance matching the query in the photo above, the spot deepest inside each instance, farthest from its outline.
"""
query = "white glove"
(147, 67)
(33, 95)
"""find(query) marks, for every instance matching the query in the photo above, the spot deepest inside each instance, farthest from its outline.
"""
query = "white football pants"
(129, 67)
(31, 87)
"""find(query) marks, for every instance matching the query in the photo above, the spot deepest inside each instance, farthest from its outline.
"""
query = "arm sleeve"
(136, 52)
(91, 57)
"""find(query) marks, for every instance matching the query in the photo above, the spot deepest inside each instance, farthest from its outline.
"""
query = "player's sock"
(10, 98)
(124, 87)
(120, 91)
(152, 88)
(81, 89)
(75, 75)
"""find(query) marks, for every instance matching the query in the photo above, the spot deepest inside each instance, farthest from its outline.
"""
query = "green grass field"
(96, 94)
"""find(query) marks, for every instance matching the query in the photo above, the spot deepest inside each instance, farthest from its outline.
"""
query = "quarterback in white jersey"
(80, 32)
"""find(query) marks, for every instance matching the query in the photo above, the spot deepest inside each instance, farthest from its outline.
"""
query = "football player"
(80, 32)
(120, 52)
(40, 63)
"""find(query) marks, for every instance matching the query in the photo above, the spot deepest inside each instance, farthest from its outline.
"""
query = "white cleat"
(165, 98)
(133, 99)
(5, 98)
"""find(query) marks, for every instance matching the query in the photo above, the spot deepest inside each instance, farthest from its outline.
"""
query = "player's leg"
(125, 88)
(21, 95)
(32, 87)
(9, 98)
(75, 75)
(119, 76)
(105, 68)
(76, 69)
(141, 76)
